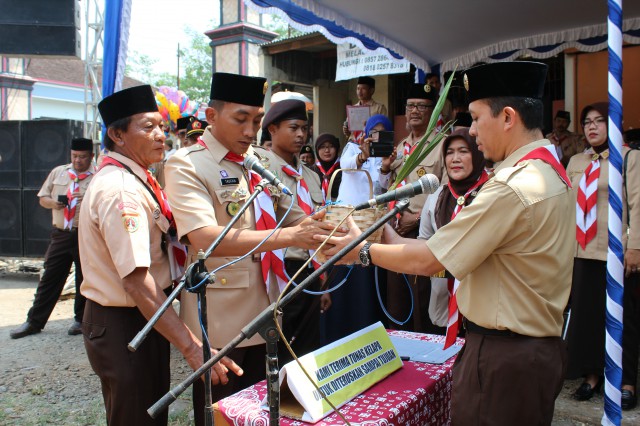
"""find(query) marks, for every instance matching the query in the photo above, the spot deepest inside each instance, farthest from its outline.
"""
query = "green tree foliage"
(195, 68)
(278, 25)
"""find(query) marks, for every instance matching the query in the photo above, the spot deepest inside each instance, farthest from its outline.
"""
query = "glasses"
(598, 121)
(327, 146)
(419, 107)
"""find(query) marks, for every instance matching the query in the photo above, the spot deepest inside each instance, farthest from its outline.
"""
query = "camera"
(382, 144)
(63, 199)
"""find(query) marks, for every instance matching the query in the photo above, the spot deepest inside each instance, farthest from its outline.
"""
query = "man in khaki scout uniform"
(510, 249)
(206, 183)
(62, 192)
(567, 143)
(126, 269)
(421, 101)
(286, 125)
(365, 89)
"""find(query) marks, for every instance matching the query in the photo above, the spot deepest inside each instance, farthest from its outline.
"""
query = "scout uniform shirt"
(432, 163)
(58, 183)
(512, 248)
(374, 107)
(204, 189)
(597, 248)
(568, 144)
(121, 229)
(313, 183)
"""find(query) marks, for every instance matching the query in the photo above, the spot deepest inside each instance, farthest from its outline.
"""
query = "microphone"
(427, 184)
(252, 162)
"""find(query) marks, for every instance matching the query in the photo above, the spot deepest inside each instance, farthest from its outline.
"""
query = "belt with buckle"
(476, 329)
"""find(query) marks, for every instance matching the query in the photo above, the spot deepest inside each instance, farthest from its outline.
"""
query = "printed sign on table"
(342, 370)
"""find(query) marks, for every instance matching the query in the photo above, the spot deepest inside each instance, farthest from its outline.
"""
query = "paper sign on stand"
(343, 370)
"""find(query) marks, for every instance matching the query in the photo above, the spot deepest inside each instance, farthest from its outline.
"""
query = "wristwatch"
(365, 257)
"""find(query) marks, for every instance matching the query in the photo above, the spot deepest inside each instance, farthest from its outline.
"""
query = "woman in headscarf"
(327, 149)
(354, 188)
(589, 174)
(465, 166)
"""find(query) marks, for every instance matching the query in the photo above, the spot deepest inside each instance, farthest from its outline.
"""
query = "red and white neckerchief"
(326, 176)
(176, 251)
(72, 202)
(545, 153)
(439, 123)
(455, 319)
(304, 198)
(407, 149)
(586, 205)
(549, 155)
(272, 262)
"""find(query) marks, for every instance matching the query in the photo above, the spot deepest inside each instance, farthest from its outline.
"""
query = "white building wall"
(50, 100)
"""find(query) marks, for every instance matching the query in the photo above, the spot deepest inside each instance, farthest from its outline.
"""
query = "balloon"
(174, 113)
(162, 103)
(173, 104)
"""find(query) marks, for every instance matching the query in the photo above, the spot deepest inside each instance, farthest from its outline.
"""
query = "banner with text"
(354, 62)
(342, 370)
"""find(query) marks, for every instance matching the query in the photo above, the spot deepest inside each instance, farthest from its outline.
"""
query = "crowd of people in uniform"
(509, 252)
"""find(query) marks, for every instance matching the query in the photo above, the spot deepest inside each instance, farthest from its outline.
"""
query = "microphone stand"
(197, 275)
(263, 324)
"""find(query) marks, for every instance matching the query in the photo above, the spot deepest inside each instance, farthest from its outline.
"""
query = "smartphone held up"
(381, 143)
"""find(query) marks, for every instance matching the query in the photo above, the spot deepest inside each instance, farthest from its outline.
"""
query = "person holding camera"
(62, 193)
(342, 320)
(357, 155)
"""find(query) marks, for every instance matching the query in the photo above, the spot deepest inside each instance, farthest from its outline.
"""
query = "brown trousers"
(131, 381)
(507, 380)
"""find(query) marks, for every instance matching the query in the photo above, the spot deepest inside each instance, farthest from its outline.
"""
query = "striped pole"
(615, 270)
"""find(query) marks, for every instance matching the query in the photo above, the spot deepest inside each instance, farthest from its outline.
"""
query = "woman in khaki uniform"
(586, 330)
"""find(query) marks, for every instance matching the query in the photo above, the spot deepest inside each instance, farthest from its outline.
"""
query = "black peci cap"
(463, 119)
(369, 81)
(563, 114)
(289, 109)
(181, 123)
(238, 89)
(127, 102)
(423, 91)
(307, 149)
(195, 126)
(81, 144)
(518, 79)
(632, 135)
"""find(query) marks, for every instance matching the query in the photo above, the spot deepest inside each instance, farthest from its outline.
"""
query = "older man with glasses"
(421, 101)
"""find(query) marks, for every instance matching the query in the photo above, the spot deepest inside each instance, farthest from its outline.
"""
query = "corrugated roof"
(295, 38)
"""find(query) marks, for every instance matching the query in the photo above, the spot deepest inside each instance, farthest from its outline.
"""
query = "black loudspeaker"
(11, 222)
(10, 154)
(40, 27)
(45, 145)
(37, 224)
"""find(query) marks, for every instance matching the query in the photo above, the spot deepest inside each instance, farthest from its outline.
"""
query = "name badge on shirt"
(230, 181)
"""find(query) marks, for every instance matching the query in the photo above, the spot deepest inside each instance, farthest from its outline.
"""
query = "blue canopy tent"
(457, 33)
